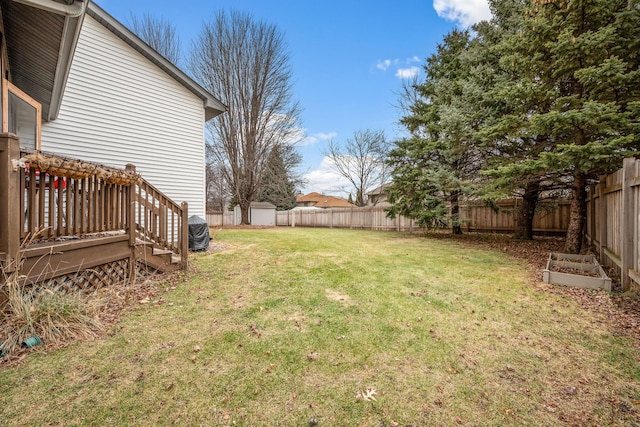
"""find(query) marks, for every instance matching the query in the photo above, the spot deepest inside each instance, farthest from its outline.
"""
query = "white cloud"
(324, 179)
(383, 65)
(312, 139)
(326, 136)
(464, 12)
(407, 73)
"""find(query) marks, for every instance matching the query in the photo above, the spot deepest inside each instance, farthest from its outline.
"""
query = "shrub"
(53, 312)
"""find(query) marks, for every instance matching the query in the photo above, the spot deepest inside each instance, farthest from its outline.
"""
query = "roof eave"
(212, 105)
(68, 44)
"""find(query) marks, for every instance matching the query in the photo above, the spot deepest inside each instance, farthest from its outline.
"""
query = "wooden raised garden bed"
(582, 271)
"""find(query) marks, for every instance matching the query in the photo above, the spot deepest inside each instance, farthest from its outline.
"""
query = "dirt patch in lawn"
(343, 299)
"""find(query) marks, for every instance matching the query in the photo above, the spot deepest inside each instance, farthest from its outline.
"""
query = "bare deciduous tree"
(217, 188)
(362, 161)
(245, 64)
(158, 33)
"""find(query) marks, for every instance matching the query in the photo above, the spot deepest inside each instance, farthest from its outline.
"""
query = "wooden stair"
(157, 259)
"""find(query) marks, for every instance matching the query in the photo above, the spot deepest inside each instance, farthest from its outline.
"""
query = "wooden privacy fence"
(367, 218)
(550, 217)
(220, 219)
(613, 221)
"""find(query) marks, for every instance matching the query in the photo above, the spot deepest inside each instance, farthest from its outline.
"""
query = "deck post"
(10, 211)
(184, 238)
(131, 207)
(131, 223)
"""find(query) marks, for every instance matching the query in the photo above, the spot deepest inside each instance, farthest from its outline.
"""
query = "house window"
(21, 115)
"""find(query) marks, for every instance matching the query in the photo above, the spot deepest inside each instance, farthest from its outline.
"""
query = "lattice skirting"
(100, 276)
(94, 278)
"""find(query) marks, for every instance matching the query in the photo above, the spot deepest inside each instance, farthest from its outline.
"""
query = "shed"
(260, 213)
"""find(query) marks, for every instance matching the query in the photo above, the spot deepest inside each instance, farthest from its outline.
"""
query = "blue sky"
(349, 58)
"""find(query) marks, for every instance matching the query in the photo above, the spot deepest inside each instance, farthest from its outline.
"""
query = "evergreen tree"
(545, 96)
(504, 136)
(279, 183)
(575, 91)
(439, 163)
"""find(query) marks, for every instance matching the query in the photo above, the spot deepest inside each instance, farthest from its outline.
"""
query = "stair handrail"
(160, 221)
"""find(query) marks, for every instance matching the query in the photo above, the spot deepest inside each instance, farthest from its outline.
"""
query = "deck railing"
(57, 206)
(53, 197)
(160, 221)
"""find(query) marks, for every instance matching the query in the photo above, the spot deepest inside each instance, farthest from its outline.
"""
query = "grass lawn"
(293, 327)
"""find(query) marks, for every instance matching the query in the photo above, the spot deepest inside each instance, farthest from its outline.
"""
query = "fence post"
(351, 219)
(184, 239)
(602, 235)
(10, 210)
(591, 205)
(627, 222)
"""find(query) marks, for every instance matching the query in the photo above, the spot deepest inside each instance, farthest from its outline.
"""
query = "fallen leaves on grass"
(254, 330)
(621, 310)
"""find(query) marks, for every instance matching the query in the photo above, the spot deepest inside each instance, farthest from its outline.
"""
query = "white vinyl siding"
(119, 108)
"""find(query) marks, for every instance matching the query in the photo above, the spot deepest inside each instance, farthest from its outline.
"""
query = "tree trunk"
(577, 215)
(456, 227)
(360, 198)
(244, 213)
(524, 219)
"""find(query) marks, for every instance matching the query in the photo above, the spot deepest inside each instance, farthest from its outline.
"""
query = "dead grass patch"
(340, 297)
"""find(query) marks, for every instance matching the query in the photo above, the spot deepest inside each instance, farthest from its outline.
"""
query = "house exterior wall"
(120, 108)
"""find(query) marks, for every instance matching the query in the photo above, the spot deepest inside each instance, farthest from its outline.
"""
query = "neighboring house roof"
(321, 201)
(40, 46)
(379, 190)
(212, 106)
(333, 202)
(311, 197)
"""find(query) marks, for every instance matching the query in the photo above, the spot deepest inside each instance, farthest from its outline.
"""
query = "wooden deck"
(66, 219)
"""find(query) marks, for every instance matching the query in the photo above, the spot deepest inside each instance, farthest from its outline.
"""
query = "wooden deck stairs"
(77, 221)
(152, 258)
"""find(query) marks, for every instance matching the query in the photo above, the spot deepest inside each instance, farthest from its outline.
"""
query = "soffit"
(39, 50)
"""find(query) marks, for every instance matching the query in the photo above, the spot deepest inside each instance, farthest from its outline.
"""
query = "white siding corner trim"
(119, 108)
